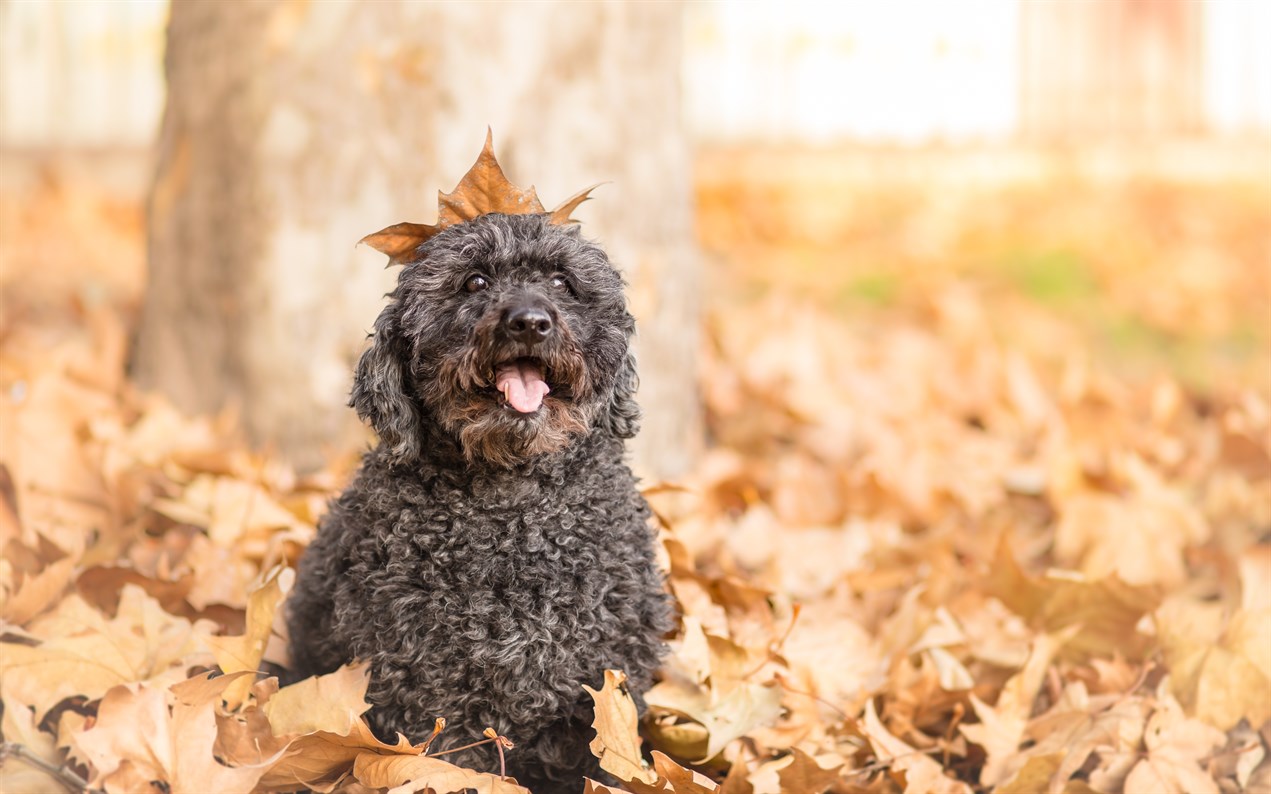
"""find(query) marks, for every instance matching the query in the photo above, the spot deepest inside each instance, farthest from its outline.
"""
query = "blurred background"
(1090, 168)
(1102, 166)
(955, 322)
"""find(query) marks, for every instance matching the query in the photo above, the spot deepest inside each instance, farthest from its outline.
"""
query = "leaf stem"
(63, 773)
(500, 743)
(464, 747)
(438, 725)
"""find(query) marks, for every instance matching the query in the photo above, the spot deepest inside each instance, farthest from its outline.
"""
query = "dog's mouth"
(523, 383)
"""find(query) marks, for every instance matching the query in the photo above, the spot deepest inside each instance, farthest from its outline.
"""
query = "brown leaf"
(1140, 536)
(82, 653)
(400, 240)
(560, 215)
(1220, 674)
(245, 737)
(738, 779)
(229, 509)
(1079, 725)
(37, 592)
(319, 760)
(710, 680)
(804, 774)
(330, 703)
(101, 586)
(1001, 727)
(617, 742)
(484, 189)
(19, 726)
(732, 715)
(1107, 610)
(1175, 746)
(236, 654)
(681, 780)
(404, 774)
(145, 733)
(922, 775)
(1033, 777)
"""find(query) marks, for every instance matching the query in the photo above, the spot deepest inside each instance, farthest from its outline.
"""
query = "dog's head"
(511, 334)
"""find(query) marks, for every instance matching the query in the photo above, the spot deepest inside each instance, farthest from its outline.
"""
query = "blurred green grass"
(1052, 276)
(1146, 275)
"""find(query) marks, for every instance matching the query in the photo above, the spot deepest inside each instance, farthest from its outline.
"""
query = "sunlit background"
(90, 73)
(957, 318)
(1095, 171)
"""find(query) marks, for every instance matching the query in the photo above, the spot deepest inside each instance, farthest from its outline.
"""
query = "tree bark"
(293, 129)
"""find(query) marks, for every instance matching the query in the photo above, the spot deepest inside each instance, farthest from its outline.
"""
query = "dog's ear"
(380, 392)
(623, 418)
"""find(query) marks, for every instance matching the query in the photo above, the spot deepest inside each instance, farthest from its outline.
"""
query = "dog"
(493, 554)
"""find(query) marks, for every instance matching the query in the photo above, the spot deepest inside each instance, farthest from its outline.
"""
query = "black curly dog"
(492, 554)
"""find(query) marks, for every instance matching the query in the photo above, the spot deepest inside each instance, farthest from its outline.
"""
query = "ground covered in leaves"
(948, 536)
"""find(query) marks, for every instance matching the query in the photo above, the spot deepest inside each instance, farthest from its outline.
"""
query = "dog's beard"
(466, 397)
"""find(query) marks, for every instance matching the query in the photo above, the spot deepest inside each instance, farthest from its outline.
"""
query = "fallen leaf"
(1140, 536)
(404, 774)
(734, 714)
(144, 733)
(1175, 746)
(1107, 611)
(717, 692)
(245, 737)
(1033, 777)
(1080, 725)
(805, 775)
(681, 780)
(83, 653)
(17, 777)
(318, 761)
(1001, 728)
(921, 774)
(37, 592)
(237, 654)
(617, 742)
(1222, 674)
(330, 703)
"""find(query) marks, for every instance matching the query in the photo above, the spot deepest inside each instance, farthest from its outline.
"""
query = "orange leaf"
(409, 773)
(483, 190)
(617, 742)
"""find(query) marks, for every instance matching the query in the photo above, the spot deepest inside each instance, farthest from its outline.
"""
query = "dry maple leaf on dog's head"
(483, 190)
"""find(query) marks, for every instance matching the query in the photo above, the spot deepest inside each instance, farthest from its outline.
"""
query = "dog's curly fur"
(488, 563)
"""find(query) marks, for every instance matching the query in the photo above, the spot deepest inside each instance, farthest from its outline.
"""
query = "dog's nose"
(528, 324)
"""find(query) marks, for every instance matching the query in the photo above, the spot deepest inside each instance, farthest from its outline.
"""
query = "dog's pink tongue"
(522, 384)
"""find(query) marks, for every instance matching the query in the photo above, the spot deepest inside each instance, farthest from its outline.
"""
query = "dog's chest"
(524, 552)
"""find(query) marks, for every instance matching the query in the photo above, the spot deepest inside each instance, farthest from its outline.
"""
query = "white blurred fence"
(918, 71)
(81, 74)
(87, 74)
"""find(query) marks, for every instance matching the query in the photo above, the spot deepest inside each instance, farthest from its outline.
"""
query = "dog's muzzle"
(522, 380)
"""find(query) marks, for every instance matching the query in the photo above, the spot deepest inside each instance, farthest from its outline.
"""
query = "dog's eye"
(476, 283)
(559, 282)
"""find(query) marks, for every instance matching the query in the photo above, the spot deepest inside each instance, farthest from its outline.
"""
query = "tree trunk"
(292, 129)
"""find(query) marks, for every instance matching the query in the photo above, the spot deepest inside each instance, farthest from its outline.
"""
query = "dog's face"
(511, 334)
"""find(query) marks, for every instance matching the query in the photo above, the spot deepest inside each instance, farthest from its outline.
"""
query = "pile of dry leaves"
(914, 560)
